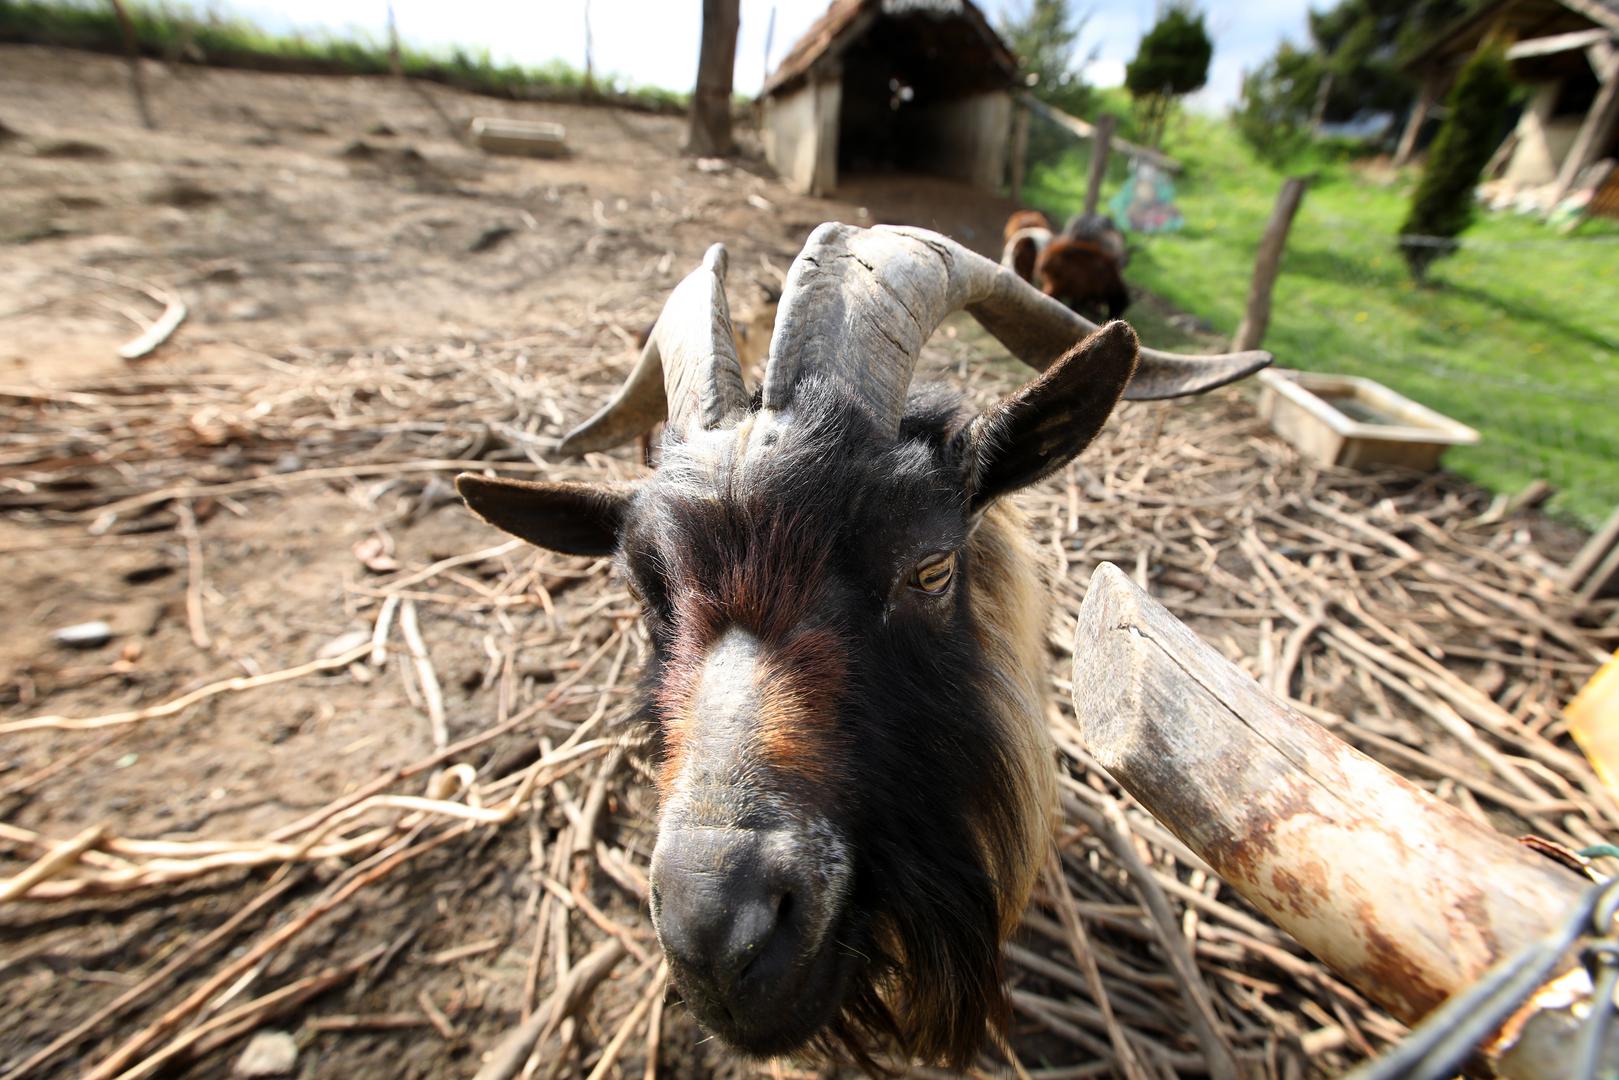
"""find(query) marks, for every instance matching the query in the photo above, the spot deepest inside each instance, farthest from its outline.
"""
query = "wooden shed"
(1567, 53)
(909, 86)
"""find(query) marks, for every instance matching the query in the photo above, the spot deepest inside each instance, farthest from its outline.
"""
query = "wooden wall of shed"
(801, 136)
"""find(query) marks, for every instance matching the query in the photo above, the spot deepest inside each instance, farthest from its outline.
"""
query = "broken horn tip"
(716, 259)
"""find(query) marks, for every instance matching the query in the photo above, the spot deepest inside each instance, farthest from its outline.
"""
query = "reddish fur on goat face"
(798, 736)
(795, 731)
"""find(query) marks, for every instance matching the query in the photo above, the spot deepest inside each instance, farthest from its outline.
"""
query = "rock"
(269, 1053)
(491, 237)
(151, 571)
(249, 311)
(89, 635)
(289, 463)
(359, 150)
(77, 149)
(380, 128)
(182, 193)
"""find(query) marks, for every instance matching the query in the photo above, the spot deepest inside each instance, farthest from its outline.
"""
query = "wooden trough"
(1355, 422)
(1400, 893)
(527, 138)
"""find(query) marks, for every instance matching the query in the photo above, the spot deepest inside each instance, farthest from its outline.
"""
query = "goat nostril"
(784, 908)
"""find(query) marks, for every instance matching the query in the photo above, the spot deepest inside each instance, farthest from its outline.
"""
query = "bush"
(1443, 204)
(1172, 60)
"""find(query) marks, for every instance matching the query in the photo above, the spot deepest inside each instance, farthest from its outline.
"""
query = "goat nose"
(719, 902)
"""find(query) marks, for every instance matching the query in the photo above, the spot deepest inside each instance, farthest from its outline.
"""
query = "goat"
(1101, 230)
(847, 618)
(1026, 234)
(1081, 274)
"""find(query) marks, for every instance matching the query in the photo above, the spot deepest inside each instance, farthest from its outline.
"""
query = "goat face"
(846, 629)
(855, 780)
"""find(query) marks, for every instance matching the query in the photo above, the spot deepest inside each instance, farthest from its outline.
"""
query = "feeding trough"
(530, 138)
(1355, 422)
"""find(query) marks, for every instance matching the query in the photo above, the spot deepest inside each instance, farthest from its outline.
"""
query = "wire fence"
(1513, 339)
(1516, 335)
(1450, 1037)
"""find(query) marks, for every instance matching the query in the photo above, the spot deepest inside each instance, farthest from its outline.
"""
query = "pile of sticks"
(1399, 611)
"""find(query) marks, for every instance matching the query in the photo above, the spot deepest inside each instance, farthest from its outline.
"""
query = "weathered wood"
(1594, 570)
(1403, 895)
(1256, 316)
(1593, 133)
(1081, 129)
(174, 313)
(1556, 43)
(132, 49)
(1019, 152)
(1100, 145)
(1426, 97)
(507, 1058)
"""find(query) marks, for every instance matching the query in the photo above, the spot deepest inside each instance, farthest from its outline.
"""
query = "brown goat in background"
(1026, 234)
(1081, 274)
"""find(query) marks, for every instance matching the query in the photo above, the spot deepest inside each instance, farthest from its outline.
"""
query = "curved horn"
(688, 370)
(859, 304)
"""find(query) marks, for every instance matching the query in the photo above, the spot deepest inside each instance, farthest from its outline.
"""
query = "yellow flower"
(1361, 316)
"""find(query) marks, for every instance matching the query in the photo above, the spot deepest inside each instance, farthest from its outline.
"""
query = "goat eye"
(934, 573)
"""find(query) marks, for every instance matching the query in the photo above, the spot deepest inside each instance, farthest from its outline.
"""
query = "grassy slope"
(1519, 336)
(175, 32)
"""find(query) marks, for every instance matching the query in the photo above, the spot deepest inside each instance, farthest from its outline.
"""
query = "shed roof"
(1518, 20)
(846, 21)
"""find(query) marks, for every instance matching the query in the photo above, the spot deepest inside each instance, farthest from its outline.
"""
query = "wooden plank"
(1081, 129)
(1593, 133)
(1100, 145)
(1557, 43)
(1019, 152)
(1403, 895)
(1267, 263)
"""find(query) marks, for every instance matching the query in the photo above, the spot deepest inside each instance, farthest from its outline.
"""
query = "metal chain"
(1440, 1046)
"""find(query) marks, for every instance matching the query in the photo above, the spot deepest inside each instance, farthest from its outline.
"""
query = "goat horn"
(688, 371)
(859, 304)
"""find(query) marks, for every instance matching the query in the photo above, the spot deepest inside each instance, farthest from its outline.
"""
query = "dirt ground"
(366, 292)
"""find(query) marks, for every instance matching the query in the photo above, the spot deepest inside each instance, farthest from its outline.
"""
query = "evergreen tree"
(1171, 61)
(1353, 66)
(1443, 204)
(1045, 36)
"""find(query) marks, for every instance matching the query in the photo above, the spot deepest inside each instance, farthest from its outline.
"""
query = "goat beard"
(932, 988)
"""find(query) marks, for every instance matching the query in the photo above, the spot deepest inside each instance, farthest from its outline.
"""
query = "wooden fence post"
(1019, 151)
(132, 47)
(1256, 316)
(1400, 893)
(1100, 145)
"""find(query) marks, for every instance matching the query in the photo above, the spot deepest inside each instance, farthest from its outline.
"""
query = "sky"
(655, 42)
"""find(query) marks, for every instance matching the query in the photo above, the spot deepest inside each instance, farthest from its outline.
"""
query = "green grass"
(1518, 335)
(178, 34)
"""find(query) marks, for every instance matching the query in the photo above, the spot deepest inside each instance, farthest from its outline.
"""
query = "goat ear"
(1039, 429)
(575, 519)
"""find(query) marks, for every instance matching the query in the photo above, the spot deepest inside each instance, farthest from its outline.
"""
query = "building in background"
(1566, 52)
(907, 86)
